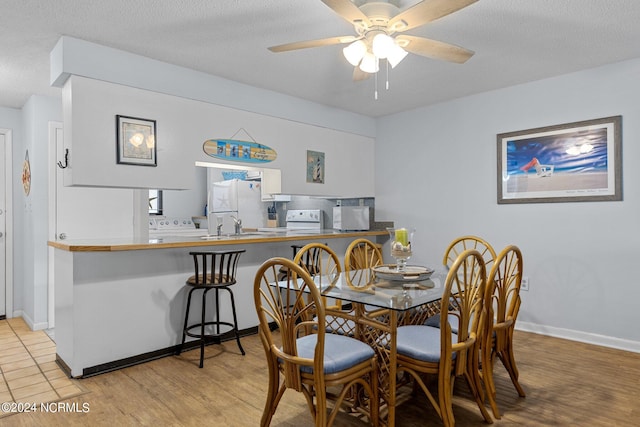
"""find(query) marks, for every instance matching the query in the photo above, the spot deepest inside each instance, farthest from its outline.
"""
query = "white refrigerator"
(235, 199)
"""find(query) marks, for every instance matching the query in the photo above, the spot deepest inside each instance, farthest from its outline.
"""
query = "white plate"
(412, 273)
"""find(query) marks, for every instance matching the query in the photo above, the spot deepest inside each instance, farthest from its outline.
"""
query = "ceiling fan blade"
(313, 43)
(359, 75)
(434, 49)
(424, 12)
(348, 10)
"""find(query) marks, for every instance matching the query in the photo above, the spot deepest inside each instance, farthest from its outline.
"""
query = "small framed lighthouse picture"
(315, 167)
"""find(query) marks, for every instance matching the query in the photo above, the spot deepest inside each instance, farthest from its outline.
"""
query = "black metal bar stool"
(213, 270)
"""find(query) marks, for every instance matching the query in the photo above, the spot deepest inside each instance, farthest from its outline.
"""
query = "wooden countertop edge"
(77, 247)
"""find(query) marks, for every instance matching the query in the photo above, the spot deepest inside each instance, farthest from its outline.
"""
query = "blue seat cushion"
(435, 322)
(340, 352)
(420, 342)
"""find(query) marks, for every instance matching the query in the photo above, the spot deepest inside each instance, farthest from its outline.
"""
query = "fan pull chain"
(375, 84)
(387, 86)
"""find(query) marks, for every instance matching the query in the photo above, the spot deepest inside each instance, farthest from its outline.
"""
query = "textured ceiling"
(514, 41)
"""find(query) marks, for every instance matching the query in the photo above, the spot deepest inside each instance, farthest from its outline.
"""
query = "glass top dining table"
(378, 308)
(398, 295)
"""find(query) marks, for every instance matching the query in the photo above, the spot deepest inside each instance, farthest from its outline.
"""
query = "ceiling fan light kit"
(370, 63)
(376, 23)
(355, 52)
(382, 45)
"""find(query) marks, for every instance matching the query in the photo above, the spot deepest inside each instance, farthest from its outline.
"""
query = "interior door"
(3, 240)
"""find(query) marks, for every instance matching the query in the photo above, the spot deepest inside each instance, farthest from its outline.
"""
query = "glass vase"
(401, 246)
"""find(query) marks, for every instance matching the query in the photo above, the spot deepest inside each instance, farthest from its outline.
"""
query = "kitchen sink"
(210, 237)
(243, 234)
(255, 233)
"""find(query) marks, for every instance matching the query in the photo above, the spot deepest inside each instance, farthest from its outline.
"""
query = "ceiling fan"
(379, 24)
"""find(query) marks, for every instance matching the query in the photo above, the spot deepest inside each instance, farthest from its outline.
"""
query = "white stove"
(304, 219)
(174, 226)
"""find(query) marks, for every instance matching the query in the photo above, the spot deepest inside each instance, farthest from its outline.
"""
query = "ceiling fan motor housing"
(379, 13)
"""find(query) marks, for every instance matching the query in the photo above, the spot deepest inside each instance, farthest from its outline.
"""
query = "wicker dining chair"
(361, 256)
(461, 244)
(309, 260)
(321, 263)
(439, 351)
(502, 302)
(453, 251)
(301, 355)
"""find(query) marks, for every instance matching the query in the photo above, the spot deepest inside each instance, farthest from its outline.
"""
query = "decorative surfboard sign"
(239, 151)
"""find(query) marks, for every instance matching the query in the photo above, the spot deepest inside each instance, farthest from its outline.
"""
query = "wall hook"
(66, 160)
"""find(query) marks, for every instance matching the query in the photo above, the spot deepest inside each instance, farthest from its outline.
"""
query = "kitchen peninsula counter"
(119, 302)
(122, 244)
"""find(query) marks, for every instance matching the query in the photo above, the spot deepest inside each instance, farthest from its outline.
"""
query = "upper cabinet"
(271, 184)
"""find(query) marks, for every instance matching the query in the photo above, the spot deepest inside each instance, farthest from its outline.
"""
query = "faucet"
(237, 222)
(219, 225)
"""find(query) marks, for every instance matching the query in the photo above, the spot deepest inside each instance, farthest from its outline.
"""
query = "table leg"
(378, 329)
(393, 326)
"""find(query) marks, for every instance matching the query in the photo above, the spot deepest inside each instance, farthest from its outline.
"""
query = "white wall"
(33, 209)
(579, 256)
(72, 56)
(183, 125)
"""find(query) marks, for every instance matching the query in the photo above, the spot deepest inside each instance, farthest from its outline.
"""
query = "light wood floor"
(28, 371)
(567, 384)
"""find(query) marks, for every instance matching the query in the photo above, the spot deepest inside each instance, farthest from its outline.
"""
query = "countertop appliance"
(178, 226)
(352, 218)
(231, 199)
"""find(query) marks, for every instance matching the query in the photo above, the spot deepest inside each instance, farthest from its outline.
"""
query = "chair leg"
(321, 408)
(273, 396)
(202, 327)
(473, 380)
(235, 321)
(445, 401)
(186, 319)
(217, 321)
(490, 386)
(509, 362)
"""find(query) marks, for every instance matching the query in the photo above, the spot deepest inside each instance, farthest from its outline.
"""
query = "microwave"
(351, 218)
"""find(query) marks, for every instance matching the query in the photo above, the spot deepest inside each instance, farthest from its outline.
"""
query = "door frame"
(53, 212)
(9, 229)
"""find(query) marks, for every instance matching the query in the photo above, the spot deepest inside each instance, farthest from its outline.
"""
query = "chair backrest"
(215, 267)
(320, 262)
(464, 289)
(310, 257)
(461, 244)
(296, 309)
(360, 257)
(502, 299)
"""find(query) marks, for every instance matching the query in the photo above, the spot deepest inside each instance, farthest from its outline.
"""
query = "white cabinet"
(271, 184)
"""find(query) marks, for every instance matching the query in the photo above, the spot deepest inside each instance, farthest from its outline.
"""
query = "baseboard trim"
(103, 368)
(65, 368)
(572, 335)
(585, 337)
(29, 321)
